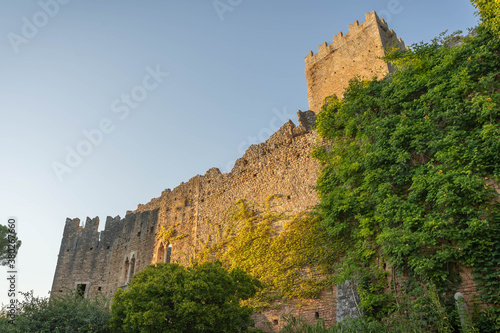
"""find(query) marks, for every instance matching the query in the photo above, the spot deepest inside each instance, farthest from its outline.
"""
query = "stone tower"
(357, 53)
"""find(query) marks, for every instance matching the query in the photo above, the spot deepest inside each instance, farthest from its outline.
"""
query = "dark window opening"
(132, 268)
(107, 248)
(99, 288)
(385, 266)
(125, 271)
(139, 234)
(60, 290)
(80, 290)
(169, 254)
(316, 315)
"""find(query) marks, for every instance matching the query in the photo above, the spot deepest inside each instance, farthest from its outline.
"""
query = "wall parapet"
(341, 38)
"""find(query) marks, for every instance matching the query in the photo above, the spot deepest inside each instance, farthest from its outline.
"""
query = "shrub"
(67, 313)
(173, 298)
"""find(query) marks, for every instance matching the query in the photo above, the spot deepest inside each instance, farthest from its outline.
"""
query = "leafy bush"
(172, 298)
(357, 325)
(410, 171)
(67, 313)
(489, 10)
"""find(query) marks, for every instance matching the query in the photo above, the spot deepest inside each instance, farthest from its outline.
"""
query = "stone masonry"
(357, 53)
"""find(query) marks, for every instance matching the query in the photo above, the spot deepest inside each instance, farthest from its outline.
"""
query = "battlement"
(340, 38)
(356, 53)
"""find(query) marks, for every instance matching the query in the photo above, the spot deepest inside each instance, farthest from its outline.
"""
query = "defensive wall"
(104, 261)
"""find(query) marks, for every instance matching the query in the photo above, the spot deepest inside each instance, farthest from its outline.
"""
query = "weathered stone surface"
(357, 53)
(307, 120)
(347, 301)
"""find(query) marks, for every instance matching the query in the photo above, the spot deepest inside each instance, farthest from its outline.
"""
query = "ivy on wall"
(410, 171)
(170, 235)
(292, 262)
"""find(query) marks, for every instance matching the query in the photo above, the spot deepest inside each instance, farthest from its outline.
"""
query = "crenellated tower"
(357, 53)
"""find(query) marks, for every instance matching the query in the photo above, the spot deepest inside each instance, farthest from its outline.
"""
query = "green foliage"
(294, 262)
(171, 298)
(358, 325)
(410, 168)
(419, 312)
(67, 313)
(489, 10)
(8, 245)
(168, 236)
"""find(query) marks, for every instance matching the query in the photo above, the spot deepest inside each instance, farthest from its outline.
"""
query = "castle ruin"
(94, 262)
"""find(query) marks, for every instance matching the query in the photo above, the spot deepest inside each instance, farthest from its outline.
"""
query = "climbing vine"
(410, 171)
(291, 262)
(168, 236)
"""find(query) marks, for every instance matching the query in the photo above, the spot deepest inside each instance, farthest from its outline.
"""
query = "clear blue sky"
(230, 74)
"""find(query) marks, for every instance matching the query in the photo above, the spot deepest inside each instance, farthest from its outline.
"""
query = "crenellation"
(353, 28)
(329, 71)
(92, 224)
(338, 37)
(322, 49)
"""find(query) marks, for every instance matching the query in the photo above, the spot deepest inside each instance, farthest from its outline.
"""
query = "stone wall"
(282, 165)
(357, 53)
(97, 259)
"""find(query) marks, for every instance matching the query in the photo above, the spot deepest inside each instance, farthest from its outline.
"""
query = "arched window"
(169, 254)
(132, 269)
(125, 270)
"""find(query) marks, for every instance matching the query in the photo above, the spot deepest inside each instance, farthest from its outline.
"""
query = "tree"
(65, 313)
(489, 10)
(9, 245)
(172, 298)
